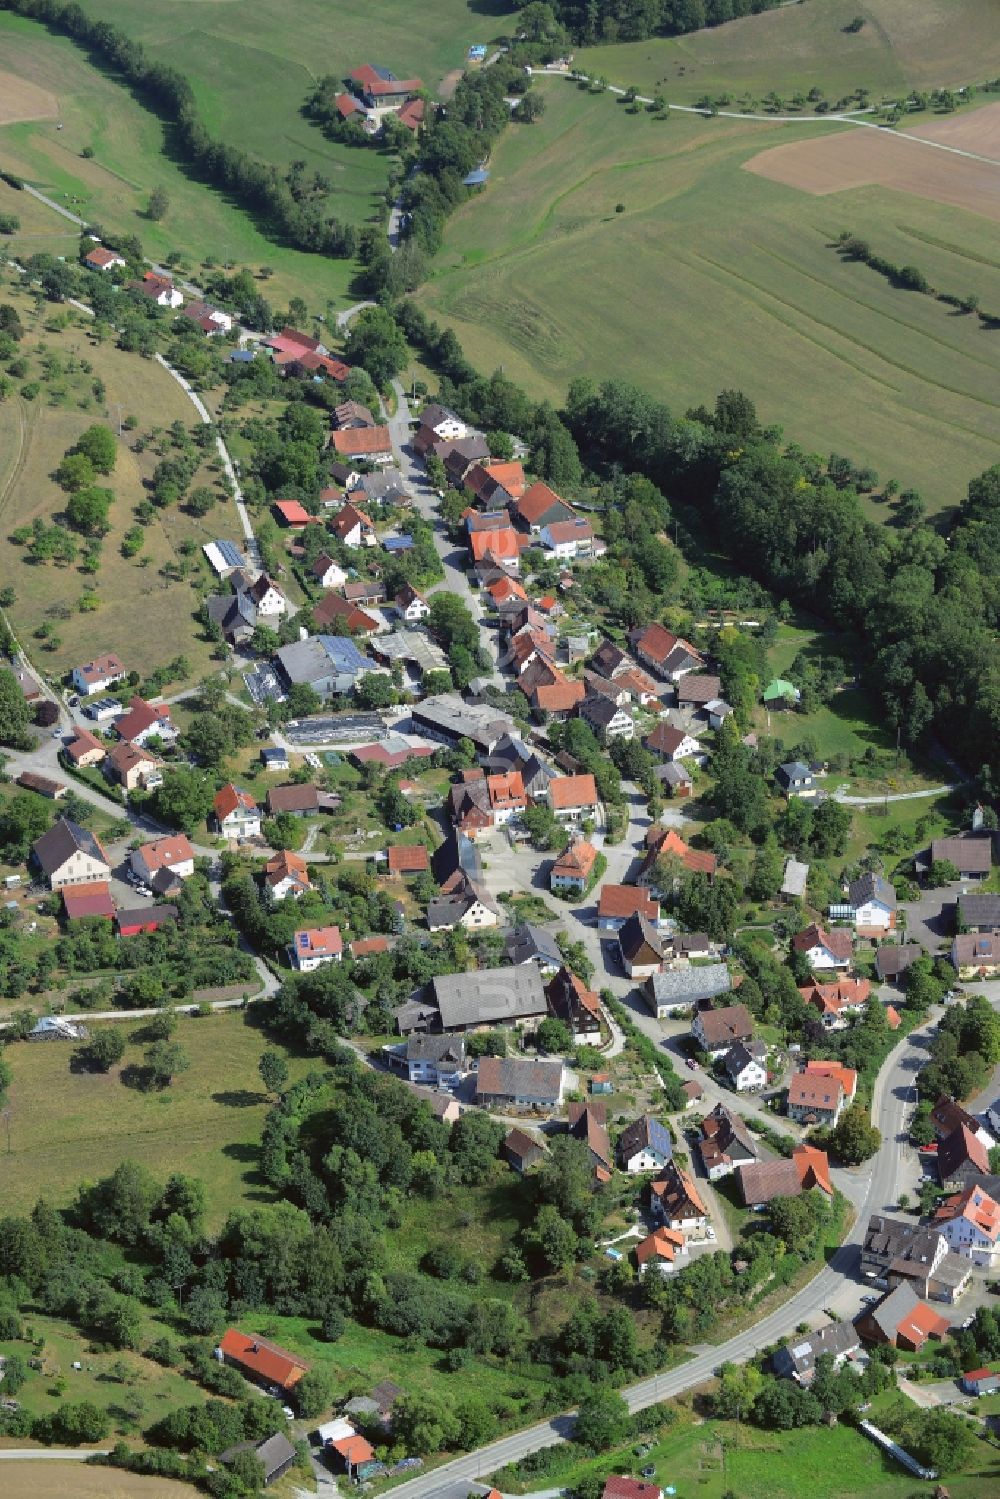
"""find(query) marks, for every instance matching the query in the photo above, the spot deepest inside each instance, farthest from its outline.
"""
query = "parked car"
(692, 1064)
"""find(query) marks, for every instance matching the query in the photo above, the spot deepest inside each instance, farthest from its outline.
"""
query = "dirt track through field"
(866, 157)
(21, 100)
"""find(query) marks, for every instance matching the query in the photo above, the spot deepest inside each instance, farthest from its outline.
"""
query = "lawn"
(147, 617)
(902, 45)
(63, 1345)
(711, 1458)
(722, 277)
(68, 1126)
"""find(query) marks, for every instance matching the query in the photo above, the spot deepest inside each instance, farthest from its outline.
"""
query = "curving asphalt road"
(875, 1188)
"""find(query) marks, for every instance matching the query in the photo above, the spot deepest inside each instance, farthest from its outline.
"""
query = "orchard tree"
(165, 1059)
(99, 445)
(158, 204)
(104, 1050)
(273, 1071)
(87, 510)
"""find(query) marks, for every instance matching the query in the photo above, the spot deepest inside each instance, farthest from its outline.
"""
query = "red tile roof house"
(94, 899)
(353, 527)
(235, 813)
(144, 919)
(380, 91)
(837, 1003)
(265, 1363)
(143, 722)
(101, 258)
(314, 946)
(567, 539)
(130, 767)
(98, 674)
(618, 902)
(540, 506)
(572, 869)
(664, 652)
(174, 854)
(286, 874)
(408, 859)
(573, 797)
(293, 514)
(334, 607)
(159, 289)
(372, 444)
(825, 949)
(630, 1488)
(85, 748)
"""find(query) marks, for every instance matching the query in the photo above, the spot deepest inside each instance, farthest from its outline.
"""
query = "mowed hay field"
(712, 276)
(904, 44)
(67, 1127)
(147, 618)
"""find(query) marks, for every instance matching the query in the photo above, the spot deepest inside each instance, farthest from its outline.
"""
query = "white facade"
(272, 605)
(87, 688)
(873, 915)
(752, 1076)
(242, 822)
(821, 957)
(334, 577)
(477, 917)
(79, 869)
(970, 1241)
(415, 611)
(646, 1159)
(182, 868)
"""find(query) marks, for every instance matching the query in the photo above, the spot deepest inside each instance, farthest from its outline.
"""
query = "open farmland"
(77, 1481)
(612, 244)
(903, 45)
(251, 72)
(68, 1126)
(866, 158)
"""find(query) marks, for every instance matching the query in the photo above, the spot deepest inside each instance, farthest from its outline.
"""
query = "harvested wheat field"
(21, 100)
(860, 157)
(65, 1480)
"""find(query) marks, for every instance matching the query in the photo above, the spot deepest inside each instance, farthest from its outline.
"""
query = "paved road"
(227, 462)
(899, 796)
(453, 559)
(51, 1454)
(875, 1192)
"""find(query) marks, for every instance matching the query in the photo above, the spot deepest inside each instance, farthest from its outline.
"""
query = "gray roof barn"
(687, 986)
(491, 996)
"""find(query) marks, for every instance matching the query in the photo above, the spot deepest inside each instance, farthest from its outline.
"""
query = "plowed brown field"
(859, 157)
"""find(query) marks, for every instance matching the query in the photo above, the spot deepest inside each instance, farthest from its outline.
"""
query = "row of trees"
(262, 188)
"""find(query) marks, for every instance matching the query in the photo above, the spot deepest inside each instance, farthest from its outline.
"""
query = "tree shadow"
(137, 1077)
(240, 1151)
(239, 1098)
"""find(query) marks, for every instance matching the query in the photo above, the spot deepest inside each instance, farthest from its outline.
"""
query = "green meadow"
(615, 244)
(903, 44)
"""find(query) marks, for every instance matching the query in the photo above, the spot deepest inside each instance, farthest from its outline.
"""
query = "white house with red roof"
(159, 289)
(353, 527)
(101, 258)
(235, 813)
(144, 722)
(970, 1223)
(568, 539)
(173, 854)
(97, 675)
(315, 946)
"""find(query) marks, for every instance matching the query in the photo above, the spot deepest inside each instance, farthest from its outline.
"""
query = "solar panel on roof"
(303, 939)
(230, 553)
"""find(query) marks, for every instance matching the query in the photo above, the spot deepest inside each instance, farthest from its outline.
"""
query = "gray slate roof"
(62, 840)
(871, 886)
(492, 996)
(836, 1338)
(527, 943)
(689, 985)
